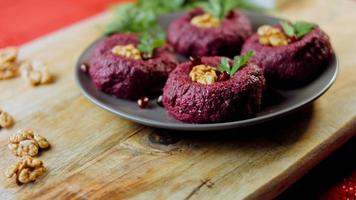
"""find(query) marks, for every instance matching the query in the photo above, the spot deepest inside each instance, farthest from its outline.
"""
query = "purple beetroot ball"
(128, 78)
(192, 102)
(225, 40)
(294, 64)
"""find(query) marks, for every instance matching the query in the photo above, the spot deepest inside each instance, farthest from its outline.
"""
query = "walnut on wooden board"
(8, 54)
(26, 170)
(36, 73)
(8, 66)
(25, 142)
(6, 120)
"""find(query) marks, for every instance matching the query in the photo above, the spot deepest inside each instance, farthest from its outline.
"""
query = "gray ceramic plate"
(284, 101)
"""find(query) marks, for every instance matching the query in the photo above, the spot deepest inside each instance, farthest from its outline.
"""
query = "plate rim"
(208, 126)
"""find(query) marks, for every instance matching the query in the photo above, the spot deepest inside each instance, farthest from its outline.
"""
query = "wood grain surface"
(97, 155)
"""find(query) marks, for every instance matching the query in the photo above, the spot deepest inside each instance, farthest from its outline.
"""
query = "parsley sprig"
(298, 29)
(141, 18)
(142, 15)
(220, 8)
(140, 21)
(151, 40)
(238, 63)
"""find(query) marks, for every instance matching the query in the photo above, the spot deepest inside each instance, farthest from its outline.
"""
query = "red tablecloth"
(24, 20)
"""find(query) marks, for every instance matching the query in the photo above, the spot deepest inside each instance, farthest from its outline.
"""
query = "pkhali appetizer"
(122, 66)
(213, 30)
(214, 89)
(290, 54)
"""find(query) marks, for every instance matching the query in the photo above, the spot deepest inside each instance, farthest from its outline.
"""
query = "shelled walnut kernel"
(205, 21)
(127, 51)
(27, 170)
(8, 67)
(25, 142)
(269, 35)
(6, 120)
(203, 74)
(35, 72)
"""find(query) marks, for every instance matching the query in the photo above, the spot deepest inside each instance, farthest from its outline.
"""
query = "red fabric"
(344, 190)
(24, 20)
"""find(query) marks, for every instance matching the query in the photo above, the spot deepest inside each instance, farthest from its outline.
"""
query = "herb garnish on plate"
(298, 29)
(142, 22)
(142, 15)
(238, 63)
(149, 41)
(133, 17)
(220, 8)
(141, 18)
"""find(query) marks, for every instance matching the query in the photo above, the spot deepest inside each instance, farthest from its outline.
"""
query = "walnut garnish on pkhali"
(6, 120)
(203, 74)
(205, 21)
(25, 142)
(288, 33)
(271, 36)
(27, 170)
(127, 51)
(36, 73)
(8, 67)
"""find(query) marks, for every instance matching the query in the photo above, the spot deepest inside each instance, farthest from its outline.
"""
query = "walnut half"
(36, 73)
(27, 170)
(269, 35)
(6, 120)
(205, 21)
(25, 142)
(127, 51)
(203, 74)
(8, 67)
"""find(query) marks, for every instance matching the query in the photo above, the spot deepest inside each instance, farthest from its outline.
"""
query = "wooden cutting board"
(97, 155)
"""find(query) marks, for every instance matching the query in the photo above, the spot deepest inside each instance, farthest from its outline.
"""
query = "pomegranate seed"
(195, 61)
(224, 76)
(230, 14)
(143, 102)
(292, 39)
(160, 101)
(84, 67)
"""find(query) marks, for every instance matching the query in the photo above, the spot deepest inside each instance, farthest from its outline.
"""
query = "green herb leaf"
(142, 15)
(288, 28)
(212, 7)
(160, 6)
(239, 62)
(219, 8)
(151, 40)
(130, 18)
(215, 7)
(298, 29)
(224, 65)
(303, 28)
